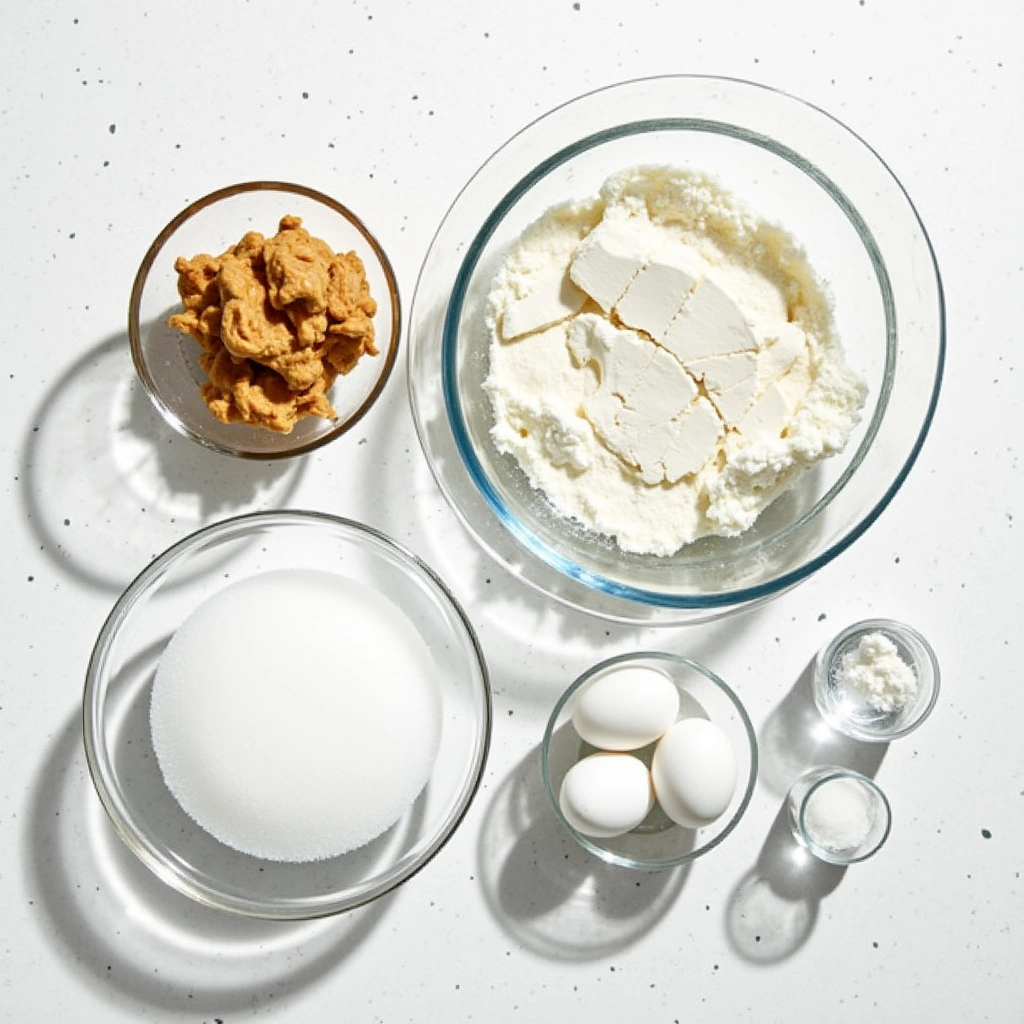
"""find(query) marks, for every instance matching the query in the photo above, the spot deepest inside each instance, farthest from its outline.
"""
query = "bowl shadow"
(549, 894)
(774, 907)
(795, 738)
(121, 928)
(107, 484)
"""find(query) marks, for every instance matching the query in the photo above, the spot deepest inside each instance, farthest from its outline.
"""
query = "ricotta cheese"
(875, 671)
(663, 364)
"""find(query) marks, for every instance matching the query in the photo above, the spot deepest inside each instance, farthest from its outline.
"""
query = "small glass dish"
(167, 361)
(794, 165)
(839, 815)
(118, 740)
(852, 712)
(657, 843)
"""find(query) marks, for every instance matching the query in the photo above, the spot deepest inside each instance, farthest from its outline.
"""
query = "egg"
(625, 708)
(694, 772)
(606, 794)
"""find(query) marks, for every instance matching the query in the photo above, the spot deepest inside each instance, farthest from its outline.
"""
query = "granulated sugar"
(296, 715)
(839, 815)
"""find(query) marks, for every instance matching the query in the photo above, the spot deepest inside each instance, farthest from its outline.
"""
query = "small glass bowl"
(167, 361)
(839, 815)
(792, 164)
(119, 748)
(657, 843)
(849, 712)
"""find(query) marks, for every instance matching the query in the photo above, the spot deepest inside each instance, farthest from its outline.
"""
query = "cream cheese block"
(657, 369)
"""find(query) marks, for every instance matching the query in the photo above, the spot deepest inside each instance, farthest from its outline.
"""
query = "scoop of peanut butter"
(278, 319)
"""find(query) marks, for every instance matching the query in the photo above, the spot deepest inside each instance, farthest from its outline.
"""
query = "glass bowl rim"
(681, 661)
(888, 626)
(567, 567)
(829, 773)
(104, 778)
(142, 275)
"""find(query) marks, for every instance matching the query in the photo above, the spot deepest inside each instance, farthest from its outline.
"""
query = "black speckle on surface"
(575, 7)
(67, 522)
(986, 834)
(305, 95)
(112, 129)
(821, 617)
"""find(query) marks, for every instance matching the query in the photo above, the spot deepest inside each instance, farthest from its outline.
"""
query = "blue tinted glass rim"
(595, 581)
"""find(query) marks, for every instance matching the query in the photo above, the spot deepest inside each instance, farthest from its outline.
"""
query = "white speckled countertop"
(113, 117)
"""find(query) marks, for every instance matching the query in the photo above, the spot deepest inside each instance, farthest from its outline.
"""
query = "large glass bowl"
(790, 163)
(167, 361)
(119, 747)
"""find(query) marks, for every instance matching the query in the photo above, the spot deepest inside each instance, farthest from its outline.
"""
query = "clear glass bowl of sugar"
(286, 715)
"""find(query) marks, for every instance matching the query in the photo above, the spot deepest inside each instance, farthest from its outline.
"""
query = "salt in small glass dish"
(850, 712)
(839, 815)
(167, 361)
(118, 740)
(658, 843)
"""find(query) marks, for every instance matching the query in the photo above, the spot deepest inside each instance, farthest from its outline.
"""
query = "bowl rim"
(681, 661)
(566, 567)
(103, 777)
(390, 354)
(820, 777)
(890, 627)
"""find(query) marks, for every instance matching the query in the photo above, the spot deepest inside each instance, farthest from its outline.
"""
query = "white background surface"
(113, 117)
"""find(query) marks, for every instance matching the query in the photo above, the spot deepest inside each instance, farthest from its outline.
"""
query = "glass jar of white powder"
(839, 815)
(876, 681)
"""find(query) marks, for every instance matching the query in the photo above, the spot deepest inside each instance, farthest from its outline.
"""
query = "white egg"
(625, 707)
(694, 772)
(606, 794)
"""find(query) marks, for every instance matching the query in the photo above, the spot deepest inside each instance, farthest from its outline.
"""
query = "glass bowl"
(167, 361)
(117, 733)
(657, 843)
(849, 710)
(790, 163)
(839, 815)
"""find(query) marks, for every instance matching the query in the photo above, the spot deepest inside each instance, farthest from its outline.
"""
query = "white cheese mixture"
(663, 364)
(875, 671)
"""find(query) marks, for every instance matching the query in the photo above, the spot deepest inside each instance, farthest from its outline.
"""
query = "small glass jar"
(839, 815)
(863, 715)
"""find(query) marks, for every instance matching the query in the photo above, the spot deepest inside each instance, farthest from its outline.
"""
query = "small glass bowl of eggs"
(649, 760)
